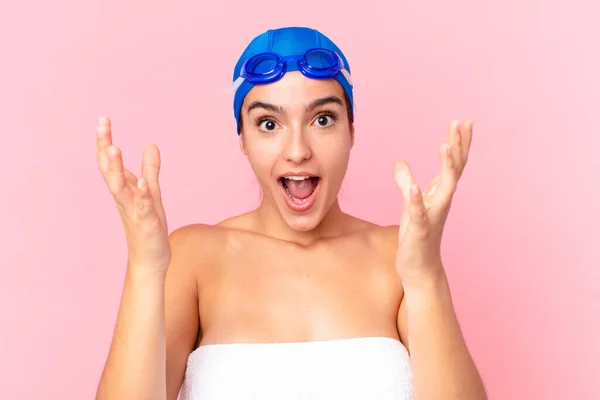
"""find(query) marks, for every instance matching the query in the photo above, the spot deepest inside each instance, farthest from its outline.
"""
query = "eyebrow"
(266, 106)
(324, 101)
(280, 110)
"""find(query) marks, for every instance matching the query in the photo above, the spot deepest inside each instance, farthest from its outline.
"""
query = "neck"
(269, 222)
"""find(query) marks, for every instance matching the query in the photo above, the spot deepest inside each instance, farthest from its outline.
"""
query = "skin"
(273, 275)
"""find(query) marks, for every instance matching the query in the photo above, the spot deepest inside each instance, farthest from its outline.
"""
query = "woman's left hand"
(424, 214)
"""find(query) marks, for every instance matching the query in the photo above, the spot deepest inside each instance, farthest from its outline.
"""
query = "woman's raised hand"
(424, 214)
(138, 201)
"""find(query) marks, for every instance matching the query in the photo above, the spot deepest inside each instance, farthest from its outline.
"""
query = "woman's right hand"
(138, 201)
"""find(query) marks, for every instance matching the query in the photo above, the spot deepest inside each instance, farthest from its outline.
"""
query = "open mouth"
(299, 191)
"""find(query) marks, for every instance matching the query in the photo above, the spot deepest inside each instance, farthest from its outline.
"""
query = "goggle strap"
(347, 75)
(236, 84)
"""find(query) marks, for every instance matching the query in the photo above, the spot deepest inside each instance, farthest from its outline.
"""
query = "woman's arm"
(181, 305)
(156, 329)
(442, 365)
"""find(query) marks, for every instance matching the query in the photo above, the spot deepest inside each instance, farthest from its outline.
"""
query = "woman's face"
(297, 136)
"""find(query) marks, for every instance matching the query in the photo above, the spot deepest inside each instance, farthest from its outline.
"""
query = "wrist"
(146, 271)
(432, 281)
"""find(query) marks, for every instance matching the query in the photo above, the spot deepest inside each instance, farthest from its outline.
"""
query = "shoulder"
(194, 242)
(198, 238)
(385, 236)
(201, 241)
(384, 240)
(193, 236)
(381, 238)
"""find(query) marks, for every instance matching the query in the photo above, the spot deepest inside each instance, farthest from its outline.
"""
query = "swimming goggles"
(316, 63)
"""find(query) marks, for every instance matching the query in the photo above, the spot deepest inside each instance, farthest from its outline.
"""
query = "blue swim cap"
(291, 45)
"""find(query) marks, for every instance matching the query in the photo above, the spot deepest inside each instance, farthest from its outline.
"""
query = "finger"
(130, 177)
(104, 134)
(103, 140)
(467, 136)
(115, 177)
(419, 221)
(448, 175)
(144, 204)
(404, 179)
(454, 140)
(433, 186)
(103, 163)
(151, 170)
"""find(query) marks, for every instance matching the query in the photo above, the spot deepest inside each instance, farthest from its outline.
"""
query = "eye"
(325, 120)
(267, 125)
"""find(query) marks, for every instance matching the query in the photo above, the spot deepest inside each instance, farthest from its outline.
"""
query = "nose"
(297, 147)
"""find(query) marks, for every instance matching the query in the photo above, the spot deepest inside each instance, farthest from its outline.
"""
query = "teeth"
(297, 178)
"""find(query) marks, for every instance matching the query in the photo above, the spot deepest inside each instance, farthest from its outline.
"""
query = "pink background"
(520, 247)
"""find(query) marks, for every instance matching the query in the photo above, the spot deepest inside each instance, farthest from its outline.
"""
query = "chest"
(261, 291)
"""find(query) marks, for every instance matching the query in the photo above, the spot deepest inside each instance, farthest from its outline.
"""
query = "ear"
(242, 143)
(351, 135)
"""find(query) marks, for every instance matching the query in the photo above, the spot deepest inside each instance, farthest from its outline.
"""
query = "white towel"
(371, 368)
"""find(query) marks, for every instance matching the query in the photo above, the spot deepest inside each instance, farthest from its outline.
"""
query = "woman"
(295, 299)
